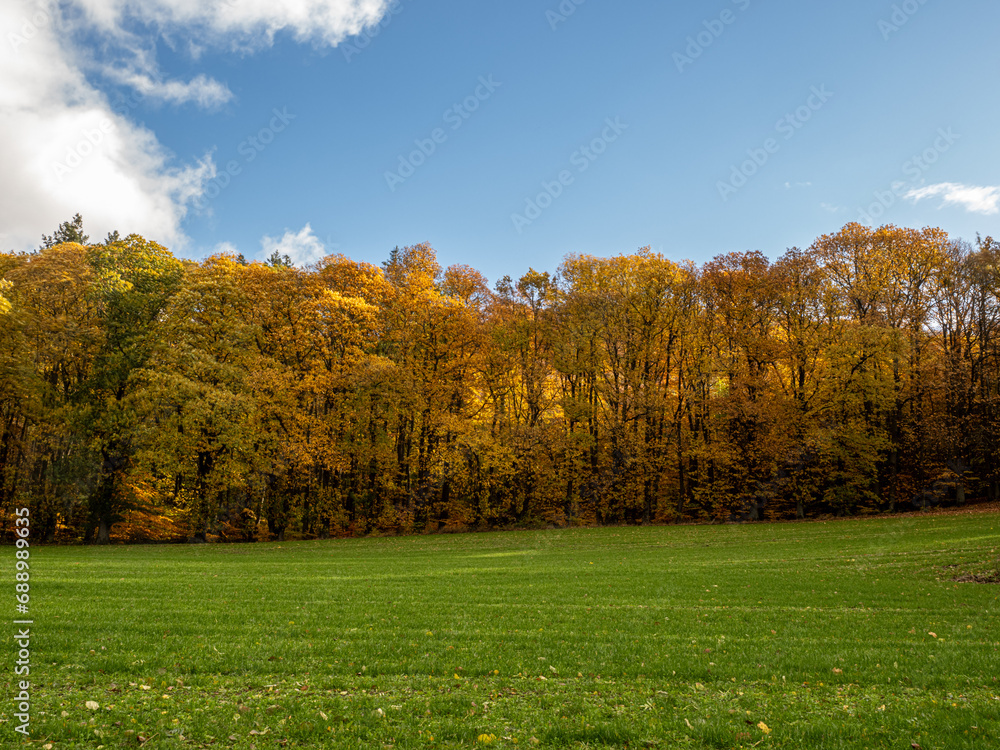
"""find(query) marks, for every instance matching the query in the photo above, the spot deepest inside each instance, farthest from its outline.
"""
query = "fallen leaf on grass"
(92, 705)
(764, 728)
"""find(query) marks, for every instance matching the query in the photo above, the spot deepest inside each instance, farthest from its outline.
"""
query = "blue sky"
(735, 125)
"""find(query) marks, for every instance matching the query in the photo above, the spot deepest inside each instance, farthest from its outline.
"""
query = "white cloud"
(64, 147)
(204, 91)
(239, 23)
(303, 247)
(225, 248)
(831, 208)
(974, 199)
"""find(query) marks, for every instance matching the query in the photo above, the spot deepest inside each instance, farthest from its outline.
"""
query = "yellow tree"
(882, 280)
(54, 323)
(751, 411)
(516, 462)
(15, 369)
(808, 320)
(961, 408)
(196, 399)
(338, 423)
(621, 325)
(432, 322)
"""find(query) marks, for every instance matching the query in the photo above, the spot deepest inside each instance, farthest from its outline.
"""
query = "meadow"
(840, 634)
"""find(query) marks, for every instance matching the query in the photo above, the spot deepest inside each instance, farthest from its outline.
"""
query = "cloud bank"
(66, 147)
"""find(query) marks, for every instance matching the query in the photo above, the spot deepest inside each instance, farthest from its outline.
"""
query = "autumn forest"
(148, 397)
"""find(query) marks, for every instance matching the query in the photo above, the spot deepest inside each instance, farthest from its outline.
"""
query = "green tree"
(133, 281)
(68, 231)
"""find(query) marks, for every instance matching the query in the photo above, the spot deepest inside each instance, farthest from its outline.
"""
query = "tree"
(54, 335)
(278, 260)
(512, 458)
(882, 278)
(68, 231)
(742, 295)
(194, 397)
(853, 377)
(134, 280)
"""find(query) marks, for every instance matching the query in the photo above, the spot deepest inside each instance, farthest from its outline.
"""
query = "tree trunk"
(103, 532)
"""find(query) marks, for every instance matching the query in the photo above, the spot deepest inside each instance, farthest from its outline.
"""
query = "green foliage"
(68, 231)
(278, 260)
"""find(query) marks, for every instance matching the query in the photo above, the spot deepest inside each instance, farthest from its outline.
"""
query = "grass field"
(847, 634)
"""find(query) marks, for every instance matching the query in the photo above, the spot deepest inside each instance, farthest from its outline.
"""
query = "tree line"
(148, 396)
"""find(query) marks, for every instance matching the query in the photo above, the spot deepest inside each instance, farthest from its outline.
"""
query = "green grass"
(638, 637)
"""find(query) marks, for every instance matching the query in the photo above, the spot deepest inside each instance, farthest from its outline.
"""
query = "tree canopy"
(145, 396)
